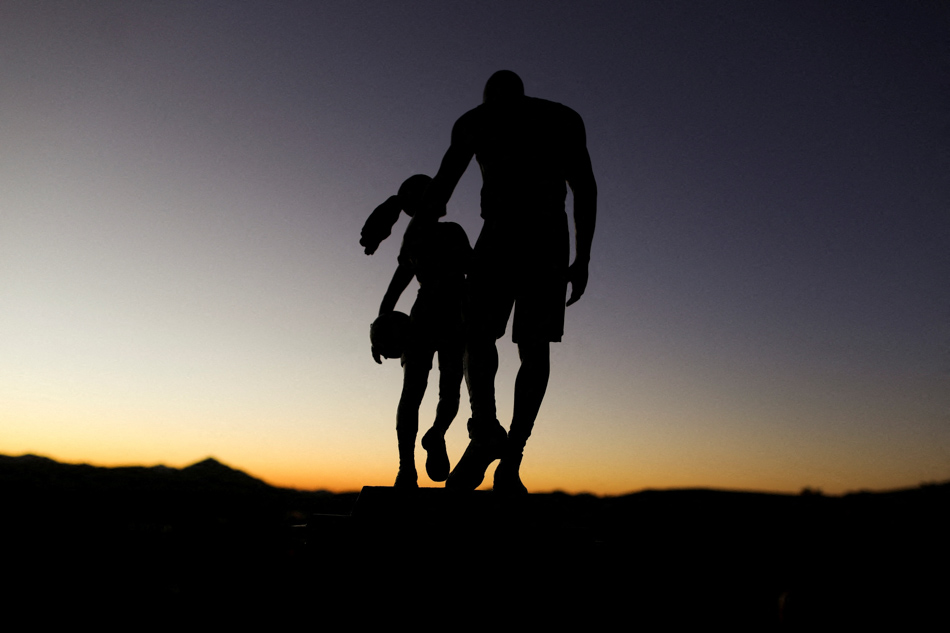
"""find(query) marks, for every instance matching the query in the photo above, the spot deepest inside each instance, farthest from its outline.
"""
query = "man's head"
(503, 87)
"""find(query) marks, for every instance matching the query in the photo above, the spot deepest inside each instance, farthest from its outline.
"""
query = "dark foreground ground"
(157, 545)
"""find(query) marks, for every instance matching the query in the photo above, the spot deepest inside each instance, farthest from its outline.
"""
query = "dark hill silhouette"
(211, 470)
(210, 537)
(31, 480)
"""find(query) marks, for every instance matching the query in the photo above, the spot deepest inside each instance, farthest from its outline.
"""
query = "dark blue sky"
(183, 185)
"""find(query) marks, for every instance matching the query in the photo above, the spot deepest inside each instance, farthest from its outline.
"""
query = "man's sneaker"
(437, 458)
(507, 477)
(487, 444)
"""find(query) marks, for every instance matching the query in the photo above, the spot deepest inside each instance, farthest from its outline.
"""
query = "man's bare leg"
(481, 365)
(486, 435)
(530, 387)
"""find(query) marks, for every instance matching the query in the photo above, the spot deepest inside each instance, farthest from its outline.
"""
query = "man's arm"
(454, 164)
(581, 180)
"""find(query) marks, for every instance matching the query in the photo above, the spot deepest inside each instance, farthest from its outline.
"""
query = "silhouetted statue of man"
(529, 150)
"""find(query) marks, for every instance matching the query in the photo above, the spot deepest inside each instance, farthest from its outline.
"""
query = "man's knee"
(534, 352)
(479, 340)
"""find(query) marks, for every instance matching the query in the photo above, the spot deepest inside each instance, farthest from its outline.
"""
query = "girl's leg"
(450, 384)
(415, 377)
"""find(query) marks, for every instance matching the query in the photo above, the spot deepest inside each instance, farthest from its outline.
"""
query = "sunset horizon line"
(805, 490)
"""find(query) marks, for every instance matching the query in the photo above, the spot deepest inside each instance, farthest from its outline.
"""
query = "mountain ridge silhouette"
(39, 470)
(209, 536)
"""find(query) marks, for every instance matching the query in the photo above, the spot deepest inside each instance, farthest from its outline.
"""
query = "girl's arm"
(400, 282)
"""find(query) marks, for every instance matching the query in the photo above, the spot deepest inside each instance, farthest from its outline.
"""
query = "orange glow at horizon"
(558, 457)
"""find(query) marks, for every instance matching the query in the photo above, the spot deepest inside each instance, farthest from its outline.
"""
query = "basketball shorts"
(524, 271)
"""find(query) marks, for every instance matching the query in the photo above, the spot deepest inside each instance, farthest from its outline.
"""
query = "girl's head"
(411, 193)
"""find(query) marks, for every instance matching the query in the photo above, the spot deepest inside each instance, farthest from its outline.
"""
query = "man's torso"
(523, 151)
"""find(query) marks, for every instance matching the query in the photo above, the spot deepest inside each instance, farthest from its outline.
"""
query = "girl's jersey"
(439, 255)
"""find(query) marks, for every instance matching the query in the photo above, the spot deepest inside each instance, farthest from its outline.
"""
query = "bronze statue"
(437, 254)
(529, 150)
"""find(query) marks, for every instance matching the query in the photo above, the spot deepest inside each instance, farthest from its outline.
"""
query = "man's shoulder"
(553, 110)
(471, 127)
(467, 128)
(472, 116)
(544, 103)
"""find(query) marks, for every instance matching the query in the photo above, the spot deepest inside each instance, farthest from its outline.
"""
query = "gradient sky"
(182, 187)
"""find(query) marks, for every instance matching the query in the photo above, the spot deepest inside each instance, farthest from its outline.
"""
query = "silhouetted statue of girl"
(438, 255)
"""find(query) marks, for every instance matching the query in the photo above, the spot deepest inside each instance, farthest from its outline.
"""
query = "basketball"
(388, 334)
